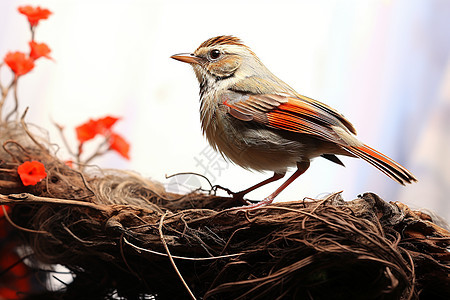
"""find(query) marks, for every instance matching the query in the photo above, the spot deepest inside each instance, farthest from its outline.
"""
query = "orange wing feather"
(287, 113)
(307, 116)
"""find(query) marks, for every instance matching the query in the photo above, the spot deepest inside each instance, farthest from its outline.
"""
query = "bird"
(260, 123)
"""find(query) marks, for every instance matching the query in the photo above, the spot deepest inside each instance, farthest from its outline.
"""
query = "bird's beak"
(187, 58)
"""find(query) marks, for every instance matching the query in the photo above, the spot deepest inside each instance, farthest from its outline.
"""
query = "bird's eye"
(214, 54)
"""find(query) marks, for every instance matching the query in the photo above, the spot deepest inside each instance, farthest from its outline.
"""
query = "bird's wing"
(295, 114)
(303, 115)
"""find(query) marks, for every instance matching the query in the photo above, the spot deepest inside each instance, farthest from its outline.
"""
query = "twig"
(171, 258)
(27, 153)
(1, 85)
(122, 253)
(32, 29)
(231, 237)
(76, 237)
(14, 264)
(6, 184)
(97, 152)
(8, 170)
(59, 280)
(413, 277)
(191, 173)
(26, 198)
(5, 213)
(4, 92)
(63, 138)
(25, 127)
(313, 211)
(179, 257)
(16, 100)
(84, 181)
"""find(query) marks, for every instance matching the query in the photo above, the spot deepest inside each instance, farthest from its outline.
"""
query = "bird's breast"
(247, 144)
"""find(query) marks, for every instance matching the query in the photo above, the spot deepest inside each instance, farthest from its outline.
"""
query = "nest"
(123, 236)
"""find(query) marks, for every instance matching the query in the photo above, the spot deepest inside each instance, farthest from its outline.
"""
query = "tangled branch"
(123, 234)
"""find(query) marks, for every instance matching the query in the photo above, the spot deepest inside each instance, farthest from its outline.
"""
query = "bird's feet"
(259, 204)
(252, 205)
(237, 196)
(245, 204)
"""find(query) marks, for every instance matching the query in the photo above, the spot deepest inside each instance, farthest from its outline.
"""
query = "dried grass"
(120, 233)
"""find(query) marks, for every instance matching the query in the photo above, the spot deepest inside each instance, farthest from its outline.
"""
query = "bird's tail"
(382, 163)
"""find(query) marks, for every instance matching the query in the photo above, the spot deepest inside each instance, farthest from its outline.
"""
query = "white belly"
(259, 149)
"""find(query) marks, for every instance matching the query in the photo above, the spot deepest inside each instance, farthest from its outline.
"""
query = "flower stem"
(16, 100)
(4, 94)
(98, 151)
(66, 144)
(32, 29)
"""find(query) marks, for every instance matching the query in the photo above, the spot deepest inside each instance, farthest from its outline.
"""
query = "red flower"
(34, 14)
(31, 172)
(19, 63)
(118, 144)
(104, 124)
(86, 131)
(91, 128)
(39, 50)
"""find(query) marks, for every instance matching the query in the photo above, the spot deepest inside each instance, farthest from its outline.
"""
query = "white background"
(384, 64)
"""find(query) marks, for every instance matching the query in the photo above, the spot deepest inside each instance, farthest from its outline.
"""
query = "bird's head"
(222, 60)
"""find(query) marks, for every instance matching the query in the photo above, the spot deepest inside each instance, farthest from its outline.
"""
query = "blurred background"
(384, 64)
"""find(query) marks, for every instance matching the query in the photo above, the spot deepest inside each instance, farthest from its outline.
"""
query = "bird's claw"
(216, 187)
(237, 196)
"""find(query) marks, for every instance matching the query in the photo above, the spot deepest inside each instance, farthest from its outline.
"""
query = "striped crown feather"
(221, 40)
